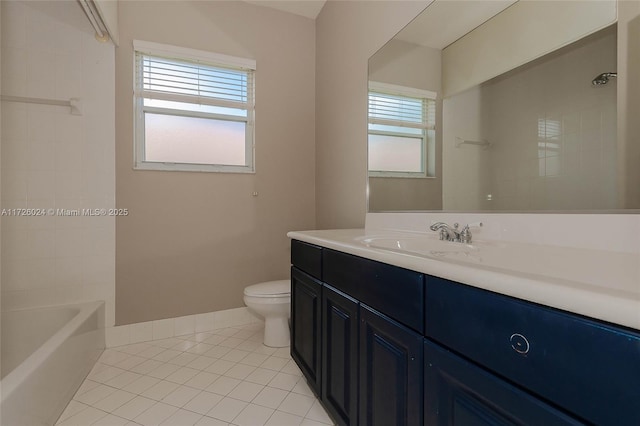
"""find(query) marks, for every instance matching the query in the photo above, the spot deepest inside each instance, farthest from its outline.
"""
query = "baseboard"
(170, 327)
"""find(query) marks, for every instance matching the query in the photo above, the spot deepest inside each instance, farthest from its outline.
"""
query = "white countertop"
(594, 283)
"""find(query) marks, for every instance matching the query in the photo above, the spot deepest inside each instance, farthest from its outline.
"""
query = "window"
(401, 131)
(193, 110)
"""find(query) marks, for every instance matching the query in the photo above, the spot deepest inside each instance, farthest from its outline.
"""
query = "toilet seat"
(281, 288)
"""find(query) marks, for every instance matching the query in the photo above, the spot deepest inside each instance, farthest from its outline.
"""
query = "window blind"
(193, 82)
(404, 111)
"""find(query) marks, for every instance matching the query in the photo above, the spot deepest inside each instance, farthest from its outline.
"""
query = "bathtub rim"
(12, 380)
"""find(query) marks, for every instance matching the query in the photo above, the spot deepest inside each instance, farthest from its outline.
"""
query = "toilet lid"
(271, 288)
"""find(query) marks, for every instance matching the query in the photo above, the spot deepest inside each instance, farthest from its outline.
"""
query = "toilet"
(272, 300)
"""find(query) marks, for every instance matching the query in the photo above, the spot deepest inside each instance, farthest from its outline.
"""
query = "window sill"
(400, 175)
(183, 167)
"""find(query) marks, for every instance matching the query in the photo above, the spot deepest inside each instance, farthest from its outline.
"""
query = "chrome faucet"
(452, 234)
(446, 232)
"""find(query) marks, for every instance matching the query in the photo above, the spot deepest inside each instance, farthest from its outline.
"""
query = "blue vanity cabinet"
(361, 352)
(306, 302)
(391, 363)
(340, 355)
(460, 393)
(587, 368)
(394, 291)
(383, 345)
(307, 257)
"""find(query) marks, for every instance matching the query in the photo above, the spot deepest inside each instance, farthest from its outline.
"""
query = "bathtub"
(46, 354)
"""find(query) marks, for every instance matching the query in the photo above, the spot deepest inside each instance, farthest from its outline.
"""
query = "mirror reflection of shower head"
(603, 78)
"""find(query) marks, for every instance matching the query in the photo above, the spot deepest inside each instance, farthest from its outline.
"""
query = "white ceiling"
(307, 8)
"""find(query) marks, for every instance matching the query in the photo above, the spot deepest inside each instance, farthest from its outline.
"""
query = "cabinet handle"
(519, 343)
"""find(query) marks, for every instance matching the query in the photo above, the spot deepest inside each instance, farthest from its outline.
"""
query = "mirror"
(512, 106)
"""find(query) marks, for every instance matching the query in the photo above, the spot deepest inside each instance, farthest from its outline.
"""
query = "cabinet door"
(340, 355)
(391, 371)
(306, 325)
(460, 393)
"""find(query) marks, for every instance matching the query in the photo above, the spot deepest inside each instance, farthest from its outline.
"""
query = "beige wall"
(410, 65)
(347, 34)
(193, 241)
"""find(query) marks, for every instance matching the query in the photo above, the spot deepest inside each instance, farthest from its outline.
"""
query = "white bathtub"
(46, 354)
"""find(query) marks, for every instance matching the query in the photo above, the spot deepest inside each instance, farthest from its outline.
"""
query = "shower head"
(603, 78)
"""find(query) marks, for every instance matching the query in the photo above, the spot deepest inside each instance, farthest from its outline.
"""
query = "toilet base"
(276, 332)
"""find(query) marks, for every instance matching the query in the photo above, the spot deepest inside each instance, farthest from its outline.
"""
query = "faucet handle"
(465, 234)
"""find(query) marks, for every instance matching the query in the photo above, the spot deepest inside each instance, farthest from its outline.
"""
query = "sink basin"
(419, 245)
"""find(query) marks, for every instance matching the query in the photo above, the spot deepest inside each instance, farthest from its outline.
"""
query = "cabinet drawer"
(458, 392)
(589, 368)
(307, 258)
(397, 292)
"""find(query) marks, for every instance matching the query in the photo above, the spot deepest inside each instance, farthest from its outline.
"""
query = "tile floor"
(221, 377)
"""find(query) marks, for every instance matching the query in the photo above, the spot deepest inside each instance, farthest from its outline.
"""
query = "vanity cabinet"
(458, 392)
(306, 302)
(382, 345)
(396, 292)
(340, 355)
(391, 363)
(371, 367)
(589, 368)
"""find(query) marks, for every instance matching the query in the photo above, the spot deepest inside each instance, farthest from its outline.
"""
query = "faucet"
(446, 232)
(452, 234)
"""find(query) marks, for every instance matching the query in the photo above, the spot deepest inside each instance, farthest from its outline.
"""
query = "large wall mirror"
(519, 106)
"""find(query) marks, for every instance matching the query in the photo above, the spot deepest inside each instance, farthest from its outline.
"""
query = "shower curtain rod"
(73, 103)
(93, 14)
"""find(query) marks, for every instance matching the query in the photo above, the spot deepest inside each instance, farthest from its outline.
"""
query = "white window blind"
(401, 111)
(192, 82)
